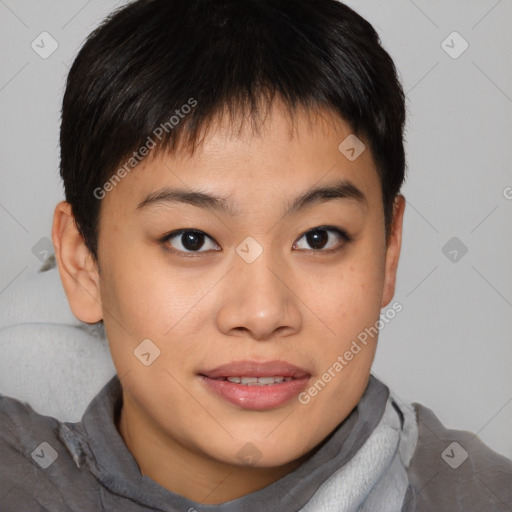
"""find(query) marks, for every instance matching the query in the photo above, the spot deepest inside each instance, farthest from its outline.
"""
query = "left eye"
(319, 239)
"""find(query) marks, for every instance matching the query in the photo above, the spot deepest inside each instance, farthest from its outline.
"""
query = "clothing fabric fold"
(386, 456)
(373, 427)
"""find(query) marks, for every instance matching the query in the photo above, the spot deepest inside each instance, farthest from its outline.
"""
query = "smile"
(256, 385)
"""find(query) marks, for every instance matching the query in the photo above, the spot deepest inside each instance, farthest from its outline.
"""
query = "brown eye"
(317, 239)
(323, 238)
(190, 240)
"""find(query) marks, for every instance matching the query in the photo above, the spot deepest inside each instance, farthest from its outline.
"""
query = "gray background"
(450, 346)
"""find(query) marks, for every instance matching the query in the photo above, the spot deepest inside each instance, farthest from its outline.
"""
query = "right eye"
(188, 241)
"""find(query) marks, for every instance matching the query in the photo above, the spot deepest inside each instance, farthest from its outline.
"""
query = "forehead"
(279, 158)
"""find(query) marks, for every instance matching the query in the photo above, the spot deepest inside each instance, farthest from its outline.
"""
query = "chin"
(266, 454)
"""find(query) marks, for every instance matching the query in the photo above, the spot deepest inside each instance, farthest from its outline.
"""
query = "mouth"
(255, 385)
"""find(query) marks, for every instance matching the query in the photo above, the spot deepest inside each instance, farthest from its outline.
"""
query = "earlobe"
(77, 267)
(393, 250)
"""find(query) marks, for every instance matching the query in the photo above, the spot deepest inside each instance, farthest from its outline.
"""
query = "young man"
(232, 172)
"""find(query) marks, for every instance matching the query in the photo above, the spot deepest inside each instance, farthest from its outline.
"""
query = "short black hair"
(171, 66)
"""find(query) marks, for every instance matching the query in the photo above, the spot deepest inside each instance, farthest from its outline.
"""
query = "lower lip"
(257, 398)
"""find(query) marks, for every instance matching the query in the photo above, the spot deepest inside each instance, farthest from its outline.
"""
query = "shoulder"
(21, 426)
(35, 465)
(453, 470)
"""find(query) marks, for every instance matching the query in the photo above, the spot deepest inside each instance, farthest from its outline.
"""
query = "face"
(247, 282)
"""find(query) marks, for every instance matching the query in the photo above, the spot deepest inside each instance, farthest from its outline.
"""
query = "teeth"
(258, 381)
(266, 380)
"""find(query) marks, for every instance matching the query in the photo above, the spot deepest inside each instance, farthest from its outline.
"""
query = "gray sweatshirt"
(47, 465)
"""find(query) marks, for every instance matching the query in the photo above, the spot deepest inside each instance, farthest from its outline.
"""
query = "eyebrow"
(342, 189)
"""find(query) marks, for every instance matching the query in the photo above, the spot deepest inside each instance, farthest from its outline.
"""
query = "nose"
(259, 301)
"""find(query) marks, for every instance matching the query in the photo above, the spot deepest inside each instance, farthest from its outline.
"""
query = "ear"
(77, 266)
(394, 244)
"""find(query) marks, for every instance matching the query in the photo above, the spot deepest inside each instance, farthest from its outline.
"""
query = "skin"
(293, 303)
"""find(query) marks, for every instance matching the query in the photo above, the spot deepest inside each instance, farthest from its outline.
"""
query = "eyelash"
(343, 235)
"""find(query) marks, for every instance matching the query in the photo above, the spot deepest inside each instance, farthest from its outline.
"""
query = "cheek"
(151, 300)
(349, 299)
(139, 287)
(349, 303)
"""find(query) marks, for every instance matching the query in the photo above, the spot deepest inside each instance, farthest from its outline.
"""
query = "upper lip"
(256, 369)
